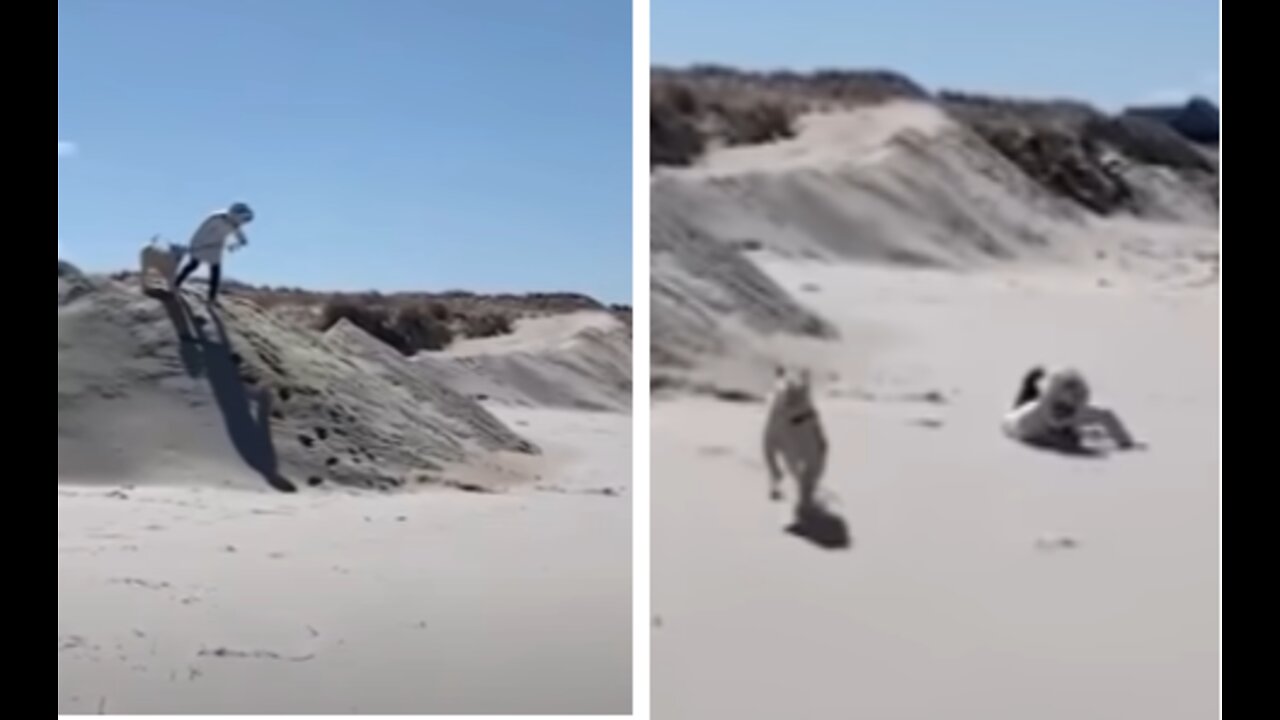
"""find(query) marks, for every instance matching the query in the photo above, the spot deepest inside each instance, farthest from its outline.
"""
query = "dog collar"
(802, 417)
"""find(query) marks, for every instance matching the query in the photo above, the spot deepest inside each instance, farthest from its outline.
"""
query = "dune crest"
(899, 183)
(247, 394)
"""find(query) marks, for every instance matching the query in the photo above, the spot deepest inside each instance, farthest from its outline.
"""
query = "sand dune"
(983, 579)
(220, 551)
(576, 360)
(245, 390)
(899, 184)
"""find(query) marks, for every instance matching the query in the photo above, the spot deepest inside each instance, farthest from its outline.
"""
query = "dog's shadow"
(823, 527)
(213, 358)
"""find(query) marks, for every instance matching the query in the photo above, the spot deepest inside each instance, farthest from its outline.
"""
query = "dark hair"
(1029, 391)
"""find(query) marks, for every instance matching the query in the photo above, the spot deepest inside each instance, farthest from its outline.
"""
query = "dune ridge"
(897, 182)
(253, 390)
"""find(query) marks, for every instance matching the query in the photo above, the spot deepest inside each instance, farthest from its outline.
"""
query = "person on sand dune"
(209, 240)
(1057, 416)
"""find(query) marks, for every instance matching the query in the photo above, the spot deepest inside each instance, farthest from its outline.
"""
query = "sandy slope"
(957, 598)
(899, 184)
(944, 607)
(220, 551)
(578, 360)
(136, 403)
(198, 600)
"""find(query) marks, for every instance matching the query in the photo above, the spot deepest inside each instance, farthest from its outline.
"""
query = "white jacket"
(209, 240)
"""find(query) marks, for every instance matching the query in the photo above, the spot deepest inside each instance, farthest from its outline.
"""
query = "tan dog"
(793, 430)
(161, 261)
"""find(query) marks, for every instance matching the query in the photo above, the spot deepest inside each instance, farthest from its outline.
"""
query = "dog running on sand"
(793, 430)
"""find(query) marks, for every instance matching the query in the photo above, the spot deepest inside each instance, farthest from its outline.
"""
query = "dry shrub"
(1148, 141)
(424, 326)
(1064, 163)
(674, 138)
(693, 108)
(409, 329)
(486, 325)
(757, 123)
(373, 319)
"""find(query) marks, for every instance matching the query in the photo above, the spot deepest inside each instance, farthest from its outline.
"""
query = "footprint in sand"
(1051, 543)
(139, 582)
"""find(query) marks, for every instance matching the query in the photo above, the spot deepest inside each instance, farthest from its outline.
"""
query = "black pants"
(215, 276)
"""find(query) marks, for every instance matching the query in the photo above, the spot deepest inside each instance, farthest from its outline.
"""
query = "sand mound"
(578, 360)
(248, 391)
(706, 297)
(900, 184)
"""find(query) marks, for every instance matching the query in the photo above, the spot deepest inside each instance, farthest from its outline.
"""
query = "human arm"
(1109, 422)
(1017, 424)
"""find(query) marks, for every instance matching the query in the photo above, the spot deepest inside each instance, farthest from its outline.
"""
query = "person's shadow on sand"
(1065, 444)
(180, 316)
(250, 434)
(822, 527)
(1089, 445)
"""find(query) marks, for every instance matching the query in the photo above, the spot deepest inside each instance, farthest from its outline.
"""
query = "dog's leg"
(775, 472)
(810, 469)
(807, 479)
(769, 444)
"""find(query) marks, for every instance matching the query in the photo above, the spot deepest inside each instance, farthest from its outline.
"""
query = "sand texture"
(261, 518)
(955, 573)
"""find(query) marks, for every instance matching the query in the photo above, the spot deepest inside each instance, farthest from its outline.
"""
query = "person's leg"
(187, 269)
(215, 278)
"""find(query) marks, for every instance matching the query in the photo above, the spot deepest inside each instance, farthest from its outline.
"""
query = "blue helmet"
(241, 212)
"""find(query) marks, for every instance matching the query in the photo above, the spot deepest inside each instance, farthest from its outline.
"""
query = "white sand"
(492, 575)
(897, 185)
(985, 580)
(423, 602)
(579, 360)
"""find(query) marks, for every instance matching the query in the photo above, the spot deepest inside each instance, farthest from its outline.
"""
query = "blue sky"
(392, 144)
(1112, 52)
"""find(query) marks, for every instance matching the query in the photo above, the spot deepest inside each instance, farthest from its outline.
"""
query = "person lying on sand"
(1058, 416)
(793, 430)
